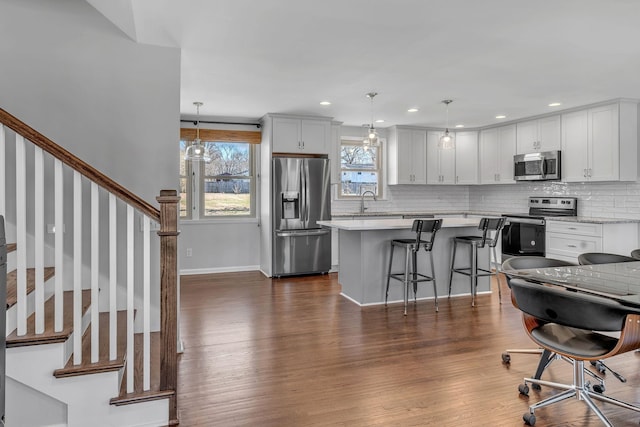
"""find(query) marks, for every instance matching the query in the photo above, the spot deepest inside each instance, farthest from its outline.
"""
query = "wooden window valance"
(213, 135)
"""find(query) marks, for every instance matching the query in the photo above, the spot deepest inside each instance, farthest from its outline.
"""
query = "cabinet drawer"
(580, 228)
(571, 246)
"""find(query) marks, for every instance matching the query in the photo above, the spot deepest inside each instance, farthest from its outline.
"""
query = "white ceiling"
(244, 58)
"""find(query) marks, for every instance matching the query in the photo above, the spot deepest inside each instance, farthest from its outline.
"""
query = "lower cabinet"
(566, 240)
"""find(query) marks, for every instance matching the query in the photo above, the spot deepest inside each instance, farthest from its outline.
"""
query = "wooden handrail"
(77, 164)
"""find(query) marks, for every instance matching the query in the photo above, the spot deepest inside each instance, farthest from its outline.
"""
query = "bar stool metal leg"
(474, 274)
(433, 274)
(453, 260)
(386, 296)
(414, 266)
(407, 260)
(498, 271)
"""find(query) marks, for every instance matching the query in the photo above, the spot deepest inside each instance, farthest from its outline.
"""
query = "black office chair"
(565, 322)
(591, 258)
(412, 246)
(635, 254)
(523, 263)
(487, 226)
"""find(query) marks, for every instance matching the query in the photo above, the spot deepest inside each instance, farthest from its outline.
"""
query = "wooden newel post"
(168, 233)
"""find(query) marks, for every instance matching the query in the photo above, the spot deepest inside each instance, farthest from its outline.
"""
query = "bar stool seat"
(410, 275)
(488, 226)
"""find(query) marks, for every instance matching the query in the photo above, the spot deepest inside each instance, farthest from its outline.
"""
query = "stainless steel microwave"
(542, 166)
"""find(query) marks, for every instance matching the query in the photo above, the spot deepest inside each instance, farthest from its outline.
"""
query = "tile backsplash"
(603, 199)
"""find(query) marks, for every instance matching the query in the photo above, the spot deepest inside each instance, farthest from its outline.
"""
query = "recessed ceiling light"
(459, 126)
(412, 110)
(555, 104)
(325, 103)
(501, 116)
(380, 121)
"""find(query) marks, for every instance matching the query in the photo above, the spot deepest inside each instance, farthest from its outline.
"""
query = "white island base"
(364, 259)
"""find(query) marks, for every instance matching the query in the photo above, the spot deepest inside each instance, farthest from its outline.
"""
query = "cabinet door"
(433, 158)
(527, 137)
(489, 156)
(404, 159)
(574, 146)
(315, 136)
(286, 135)
(506, 151)
(418, 156)
(448, 166)
(549, 133)
(603, 143)
(466, 164)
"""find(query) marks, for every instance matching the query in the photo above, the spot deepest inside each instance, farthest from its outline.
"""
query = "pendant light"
(196, 151)
(447, 140)
(372, 139)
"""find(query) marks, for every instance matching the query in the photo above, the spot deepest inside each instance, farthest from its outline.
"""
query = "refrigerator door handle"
(318, 232)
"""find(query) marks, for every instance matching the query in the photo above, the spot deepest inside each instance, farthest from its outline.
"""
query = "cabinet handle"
(498, 177)
(572, 228)
(590, 170)
(303, 145)
(571, 246)
(585, 173)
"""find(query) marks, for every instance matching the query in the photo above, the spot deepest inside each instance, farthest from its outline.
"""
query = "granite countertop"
(584, 219)
(392, 224)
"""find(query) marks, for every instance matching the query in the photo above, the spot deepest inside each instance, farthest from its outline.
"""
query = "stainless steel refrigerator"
(301, 196)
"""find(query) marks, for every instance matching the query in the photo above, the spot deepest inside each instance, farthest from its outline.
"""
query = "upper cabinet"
(497, 148)
(407, 156)
(466, 158)
(600, 143)
(538, 135)
(441, 164)
(300, 135)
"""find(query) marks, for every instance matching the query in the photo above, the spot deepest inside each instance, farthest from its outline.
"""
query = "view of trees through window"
(225, 183)
(360, 170)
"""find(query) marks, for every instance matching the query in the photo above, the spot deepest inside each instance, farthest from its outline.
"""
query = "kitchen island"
(364, 258)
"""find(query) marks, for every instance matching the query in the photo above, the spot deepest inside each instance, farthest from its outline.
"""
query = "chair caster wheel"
(598, 388)
(600, 367)
(523, 389)
(529, 419)
(506, 358)
(536, 387)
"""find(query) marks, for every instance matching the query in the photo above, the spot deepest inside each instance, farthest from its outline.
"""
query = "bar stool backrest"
(488, 225)
(426, 226)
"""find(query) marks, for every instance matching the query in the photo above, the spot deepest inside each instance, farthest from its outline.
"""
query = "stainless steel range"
(524, 234)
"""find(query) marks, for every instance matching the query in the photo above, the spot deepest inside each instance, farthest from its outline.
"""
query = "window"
(224, 187)
(360, 168)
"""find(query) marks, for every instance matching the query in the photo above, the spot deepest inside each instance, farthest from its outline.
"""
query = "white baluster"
(77, 268)
(113, 278)
(21, 236)
(130, 296)
(146, 283)
(59, 245)
(3, 191)
(95, 270)
(39, 238)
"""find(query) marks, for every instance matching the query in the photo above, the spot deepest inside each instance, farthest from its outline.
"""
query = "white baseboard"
(192, 271)
(369, 304)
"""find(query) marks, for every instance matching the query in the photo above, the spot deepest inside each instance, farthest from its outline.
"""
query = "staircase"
(91, 292)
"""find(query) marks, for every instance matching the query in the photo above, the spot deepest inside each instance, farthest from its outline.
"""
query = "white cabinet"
(295, 135)
(466, 164)
(538, 135)
(566, 240)
(497, 148)
(407, 156)
(600, 143)
(441, 163)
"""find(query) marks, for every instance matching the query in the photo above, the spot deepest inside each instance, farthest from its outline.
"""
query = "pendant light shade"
(196, 151)
(372, 139)
(447, 140)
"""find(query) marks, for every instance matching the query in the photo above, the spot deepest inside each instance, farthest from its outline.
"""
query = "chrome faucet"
(362, 208)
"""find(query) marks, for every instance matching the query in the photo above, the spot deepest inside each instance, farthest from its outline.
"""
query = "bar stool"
(487, 225)
(412, 246)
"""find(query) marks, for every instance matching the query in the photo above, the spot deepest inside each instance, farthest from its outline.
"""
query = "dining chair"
(578, 326)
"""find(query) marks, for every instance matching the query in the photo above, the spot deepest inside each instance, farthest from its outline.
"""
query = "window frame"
(355, 141)
(196, 177)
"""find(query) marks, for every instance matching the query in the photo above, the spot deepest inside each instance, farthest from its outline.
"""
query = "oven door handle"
(531, 221)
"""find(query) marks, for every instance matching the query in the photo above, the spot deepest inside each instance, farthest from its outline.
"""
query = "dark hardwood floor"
(293, 352)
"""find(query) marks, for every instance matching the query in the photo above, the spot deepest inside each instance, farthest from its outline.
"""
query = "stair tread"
(12, 283)
(11, 247)
(49, 335)
(103, 364)
(138, 395)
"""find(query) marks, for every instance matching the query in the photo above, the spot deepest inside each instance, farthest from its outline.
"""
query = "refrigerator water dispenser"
(290, 205)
